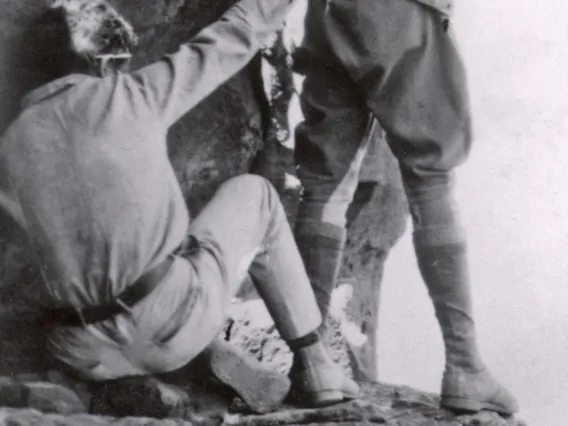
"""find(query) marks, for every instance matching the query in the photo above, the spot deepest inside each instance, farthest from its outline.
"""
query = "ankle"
(313, 356)
(468, 366)
(305, 349)
(305, 341)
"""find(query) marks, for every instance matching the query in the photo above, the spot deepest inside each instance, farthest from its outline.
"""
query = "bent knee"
(249, 182)
(433, 204)
(258, 187)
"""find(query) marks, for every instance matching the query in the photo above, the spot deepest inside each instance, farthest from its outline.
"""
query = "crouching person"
(84, 171)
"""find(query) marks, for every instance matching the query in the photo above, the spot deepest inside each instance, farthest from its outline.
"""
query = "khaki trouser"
(391, 62)
(395, 61)
(243, 229)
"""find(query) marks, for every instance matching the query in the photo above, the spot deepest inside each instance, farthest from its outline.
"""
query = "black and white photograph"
(283, 212)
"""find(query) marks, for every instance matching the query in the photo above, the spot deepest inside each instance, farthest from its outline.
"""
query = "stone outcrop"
(240, 128)
(386, 405)
(187, 398)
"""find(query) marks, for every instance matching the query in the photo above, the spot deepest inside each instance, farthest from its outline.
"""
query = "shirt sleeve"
(173, 86)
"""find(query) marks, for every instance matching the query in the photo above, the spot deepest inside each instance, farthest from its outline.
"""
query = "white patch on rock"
(294, 30)
(338, 309)
(255, 310)
(268, 76)
(291, 181)
(295, 115)
(232, 419)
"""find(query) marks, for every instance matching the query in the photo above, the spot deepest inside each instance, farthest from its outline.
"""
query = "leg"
(245, 228)
(416, 88)
(330, 146)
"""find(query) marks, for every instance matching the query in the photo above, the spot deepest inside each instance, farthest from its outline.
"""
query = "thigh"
(331, 141)
(406, 62)
(231, 230)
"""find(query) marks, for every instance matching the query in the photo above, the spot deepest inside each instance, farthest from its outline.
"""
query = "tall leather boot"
(322, 256)
(467, 384)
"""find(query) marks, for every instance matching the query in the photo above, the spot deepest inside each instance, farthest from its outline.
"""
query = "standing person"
(85, 173)
(395, 62)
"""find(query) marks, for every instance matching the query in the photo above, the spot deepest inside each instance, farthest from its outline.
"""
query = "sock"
(305, 341)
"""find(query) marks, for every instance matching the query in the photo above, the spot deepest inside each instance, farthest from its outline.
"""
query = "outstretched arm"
(174, 85)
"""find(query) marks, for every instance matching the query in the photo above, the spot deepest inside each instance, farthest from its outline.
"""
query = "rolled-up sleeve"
(173, 86)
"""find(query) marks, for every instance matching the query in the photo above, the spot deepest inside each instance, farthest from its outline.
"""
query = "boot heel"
(469, 406)
(324, 398)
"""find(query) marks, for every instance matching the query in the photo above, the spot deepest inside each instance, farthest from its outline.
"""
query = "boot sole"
(332, 397)
(261, 389)
(468, 405)
(319, 399)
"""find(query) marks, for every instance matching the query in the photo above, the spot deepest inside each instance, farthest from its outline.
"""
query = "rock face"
(239, 128)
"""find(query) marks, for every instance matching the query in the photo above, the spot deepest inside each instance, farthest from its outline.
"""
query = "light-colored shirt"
(84, 169)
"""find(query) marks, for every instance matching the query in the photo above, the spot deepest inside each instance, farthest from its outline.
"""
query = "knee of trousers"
(249, 181)
(326, 198)
(327, 209)
(248, 184)
(432, 203)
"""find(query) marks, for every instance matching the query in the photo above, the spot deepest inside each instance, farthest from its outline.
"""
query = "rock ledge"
(381, 404)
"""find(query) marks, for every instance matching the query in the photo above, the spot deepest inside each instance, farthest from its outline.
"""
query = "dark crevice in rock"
(228, 329)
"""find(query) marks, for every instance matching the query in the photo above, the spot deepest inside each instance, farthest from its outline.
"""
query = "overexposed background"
(513, 194)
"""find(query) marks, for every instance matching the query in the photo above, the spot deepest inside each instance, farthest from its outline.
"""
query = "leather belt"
(141, 288)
